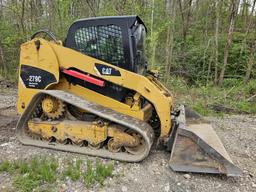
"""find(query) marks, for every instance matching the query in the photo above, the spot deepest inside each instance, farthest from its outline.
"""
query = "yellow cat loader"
(92, 94)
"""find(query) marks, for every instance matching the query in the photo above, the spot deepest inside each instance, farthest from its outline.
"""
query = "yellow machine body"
(53, 57)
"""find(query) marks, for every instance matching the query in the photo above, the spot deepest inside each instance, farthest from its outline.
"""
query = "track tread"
(137, 125)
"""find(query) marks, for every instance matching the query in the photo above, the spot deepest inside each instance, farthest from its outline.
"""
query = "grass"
(25, 183)
(99, 174)
(234, 96)
(29, 175)
(5, 166)
(103, 171)
(73, 170)
(89, 174)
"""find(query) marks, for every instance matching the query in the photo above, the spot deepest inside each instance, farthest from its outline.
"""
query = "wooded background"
(201, 41)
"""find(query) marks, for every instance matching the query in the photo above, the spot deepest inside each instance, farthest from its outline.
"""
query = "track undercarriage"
(62, 121)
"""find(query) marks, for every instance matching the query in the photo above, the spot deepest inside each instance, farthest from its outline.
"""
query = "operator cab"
(118, 40)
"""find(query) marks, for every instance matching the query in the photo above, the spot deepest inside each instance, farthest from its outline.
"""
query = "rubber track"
(137, 125)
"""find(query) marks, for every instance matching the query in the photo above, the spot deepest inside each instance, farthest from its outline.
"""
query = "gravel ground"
(237, 132)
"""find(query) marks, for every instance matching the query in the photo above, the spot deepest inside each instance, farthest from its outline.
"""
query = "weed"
(53, 164)
(89, 174)
(29, 175)
(5, 166)
(103, 171)
(15, 165)
(200, 108)
(25, 183)
(23, 167)
(100, 173)
(45, 172)
(73, 170)
(34, 164)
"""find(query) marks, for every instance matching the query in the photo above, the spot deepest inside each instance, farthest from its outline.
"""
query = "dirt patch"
(7, 128)
(4, 84)
(8, 114)
(237, 132)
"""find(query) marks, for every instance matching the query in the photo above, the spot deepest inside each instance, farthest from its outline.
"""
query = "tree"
(218, 6)
(251, 62)
(171, 15)
(197, 40)
(2, 63)
(234, 8)
(252, 49)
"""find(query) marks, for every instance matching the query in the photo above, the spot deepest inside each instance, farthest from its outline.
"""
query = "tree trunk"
(2, 63)
(152, 38)
(22, 16)
(216, 40)
(120, 7)
(234, 9)
(32, 15)
(185, 11)
(248, 28)
(91, 8)
(60, 19)
(171, 13)
(1, 9)
(250, 63)
(185, 17)
(188, 18)
(39, 6)
(204, 62)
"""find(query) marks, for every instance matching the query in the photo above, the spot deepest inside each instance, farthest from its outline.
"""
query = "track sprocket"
(52, 107)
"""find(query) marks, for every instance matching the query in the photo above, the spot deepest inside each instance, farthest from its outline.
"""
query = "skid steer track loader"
(93, 95)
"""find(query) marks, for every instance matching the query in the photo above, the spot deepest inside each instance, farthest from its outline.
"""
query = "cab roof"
(129, 19)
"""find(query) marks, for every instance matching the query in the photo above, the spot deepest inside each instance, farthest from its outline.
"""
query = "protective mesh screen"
(101, 42)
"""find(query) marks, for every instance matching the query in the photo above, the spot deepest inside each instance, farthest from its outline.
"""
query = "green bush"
(235, 95)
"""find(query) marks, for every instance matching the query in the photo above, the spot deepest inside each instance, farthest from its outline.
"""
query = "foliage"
(25, 183)
(73, 170)
(28, 175)
(233, 96)
(100, 173)
(88, 174)
(5, 166)
(193, 55)
(39, 174)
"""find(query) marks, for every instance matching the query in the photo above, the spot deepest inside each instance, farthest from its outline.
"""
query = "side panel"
(51, 57)
(38, 70)
(148, 87)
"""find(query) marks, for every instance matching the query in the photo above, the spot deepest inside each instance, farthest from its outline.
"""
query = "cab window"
(101, 42)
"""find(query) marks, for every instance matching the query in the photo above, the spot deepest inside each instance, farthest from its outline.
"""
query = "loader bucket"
(197, 148)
